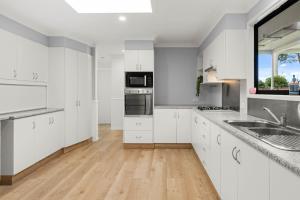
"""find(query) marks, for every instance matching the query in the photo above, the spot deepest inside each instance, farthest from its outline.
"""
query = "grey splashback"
(291, 108)
(221, 94)
(231, 94)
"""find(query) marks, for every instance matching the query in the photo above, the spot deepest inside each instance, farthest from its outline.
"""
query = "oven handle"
(145, 80)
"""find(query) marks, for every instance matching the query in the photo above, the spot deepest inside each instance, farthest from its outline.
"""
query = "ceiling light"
(122, 18)
(111, 6)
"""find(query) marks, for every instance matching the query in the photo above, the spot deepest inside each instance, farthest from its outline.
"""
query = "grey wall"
(175, 77)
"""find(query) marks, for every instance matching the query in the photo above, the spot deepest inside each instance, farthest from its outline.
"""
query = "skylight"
(111, 6)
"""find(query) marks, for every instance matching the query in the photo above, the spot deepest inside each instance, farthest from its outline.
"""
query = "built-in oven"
(139, 79)
(138, 101)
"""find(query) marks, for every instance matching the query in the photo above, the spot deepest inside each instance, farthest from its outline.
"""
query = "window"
(277, 50)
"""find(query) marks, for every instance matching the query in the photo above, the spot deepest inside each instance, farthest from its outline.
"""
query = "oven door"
(138, 104)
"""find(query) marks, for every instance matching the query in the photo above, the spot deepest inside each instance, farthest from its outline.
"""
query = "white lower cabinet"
(138, 130)
(26, 141)
(244, 171)
(237, 171)
(172, 125)
(214, 168)
(283, 183)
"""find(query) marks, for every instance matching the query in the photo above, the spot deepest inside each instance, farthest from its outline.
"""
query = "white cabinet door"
(284, 184)
(253, 174)
(26, 60)
(214, 168)
(196, 133)
(184, 128)
(25, 151)
(43, 136)
(41, 63)
(146, 60)
(165, 126)
(132, 60)
(71, 132)
(84, 97)
(228, 167)
(56, 131)
(8, 52)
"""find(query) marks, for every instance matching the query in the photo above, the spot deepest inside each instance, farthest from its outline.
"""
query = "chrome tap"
(283, 119)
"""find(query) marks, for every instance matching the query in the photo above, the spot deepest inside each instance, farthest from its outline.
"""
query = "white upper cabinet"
(22, 59)
(8, 52)
(227, 54)
(139, 60)
(32, 61)
(146, 60)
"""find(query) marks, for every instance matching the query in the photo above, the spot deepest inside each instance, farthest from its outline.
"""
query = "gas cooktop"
(215, 108)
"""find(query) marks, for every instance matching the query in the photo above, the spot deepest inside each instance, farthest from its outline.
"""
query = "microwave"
(139, 79)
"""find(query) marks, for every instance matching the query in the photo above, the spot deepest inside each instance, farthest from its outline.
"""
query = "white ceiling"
(173, 21)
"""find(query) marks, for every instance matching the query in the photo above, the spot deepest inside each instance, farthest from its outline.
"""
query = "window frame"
(282, 8)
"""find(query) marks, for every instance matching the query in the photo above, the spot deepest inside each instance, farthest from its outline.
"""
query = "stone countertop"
(174, 106)
(29, 113)
(288, 159)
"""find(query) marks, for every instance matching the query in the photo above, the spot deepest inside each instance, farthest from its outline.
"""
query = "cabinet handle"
(37, 76)
(79, 103)
(50, 121)
(232, 153)
(138, 137)
(196, 120)
(175, 115)
(236, 156)
(33, 125)
(218, 139)
(15, 73)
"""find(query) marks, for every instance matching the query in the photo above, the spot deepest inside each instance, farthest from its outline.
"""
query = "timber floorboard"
(105, 170)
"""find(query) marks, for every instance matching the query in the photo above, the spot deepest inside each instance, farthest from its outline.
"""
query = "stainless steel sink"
(252, 124)
(277, 136)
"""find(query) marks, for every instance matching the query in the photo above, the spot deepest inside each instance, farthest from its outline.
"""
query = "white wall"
(104, 95)
(117, 97)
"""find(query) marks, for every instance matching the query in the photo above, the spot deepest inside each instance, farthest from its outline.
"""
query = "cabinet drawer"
(138, 124)
(138, 137)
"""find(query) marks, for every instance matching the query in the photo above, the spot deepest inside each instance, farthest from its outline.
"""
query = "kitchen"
(140, 108)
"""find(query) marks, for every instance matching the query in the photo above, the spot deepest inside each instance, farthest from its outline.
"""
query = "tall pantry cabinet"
(70, 87)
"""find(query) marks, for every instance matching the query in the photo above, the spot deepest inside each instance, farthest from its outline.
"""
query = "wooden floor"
(104, 170)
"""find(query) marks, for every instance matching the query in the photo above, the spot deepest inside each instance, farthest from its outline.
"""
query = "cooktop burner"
(215, 108)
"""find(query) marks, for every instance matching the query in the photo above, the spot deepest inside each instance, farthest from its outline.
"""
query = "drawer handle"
(218, 139)
(138, 123)
(138, 137)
